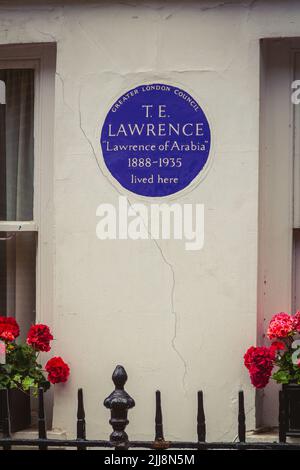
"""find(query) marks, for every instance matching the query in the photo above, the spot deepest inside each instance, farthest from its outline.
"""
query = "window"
(279, 191)
(27, 83)
(17, 250)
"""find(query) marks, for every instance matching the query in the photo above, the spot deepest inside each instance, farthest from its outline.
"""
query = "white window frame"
(42, 58)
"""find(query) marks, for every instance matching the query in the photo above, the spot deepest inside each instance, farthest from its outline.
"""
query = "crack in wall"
(49, 35)
(63, 91)
(174, 313)
(97, 45)
(221, 438)
(165, 260)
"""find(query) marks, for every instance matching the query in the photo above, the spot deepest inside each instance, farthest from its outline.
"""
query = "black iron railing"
(119, 402)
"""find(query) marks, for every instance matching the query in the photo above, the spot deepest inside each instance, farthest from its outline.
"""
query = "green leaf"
(7, 368)
(27, 383)
(282, 376)
(4, 382)
(17, 378)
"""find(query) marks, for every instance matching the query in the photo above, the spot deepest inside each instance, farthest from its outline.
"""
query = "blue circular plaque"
(155, 140)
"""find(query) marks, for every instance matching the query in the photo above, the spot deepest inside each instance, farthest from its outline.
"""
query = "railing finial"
(119, 402)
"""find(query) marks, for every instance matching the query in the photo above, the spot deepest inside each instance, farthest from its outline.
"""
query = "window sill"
(17, 226)
(267, 435)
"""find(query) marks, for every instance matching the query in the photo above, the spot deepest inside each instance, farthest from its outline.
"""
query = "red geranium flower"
(9, 325)
(58, 370)
(260, 362)
(7, 336)
(248, 357)
(39, 337)
(259, 380)
(260, 357)
(277, 346)
(281, 325)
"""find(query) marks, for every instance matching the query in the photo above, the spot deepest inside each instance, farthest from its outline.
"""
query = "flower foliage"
(282, 354)
(22, 369)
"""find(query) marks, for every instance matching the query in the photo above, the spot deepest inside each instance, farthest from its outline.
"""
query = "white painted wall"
(176, 320)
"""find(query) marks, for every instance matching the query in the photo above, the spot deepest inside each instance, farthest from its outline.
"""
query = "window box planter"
(20, 412)
(291, 409)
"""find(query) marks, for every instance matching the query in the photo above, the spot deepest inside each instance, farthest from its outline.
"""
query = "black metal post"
(201, 426)
(159, 432)
(282, 420)
(81, 430)
(159, 442)
(119, 402)
(6, 418)
(41, 419)
(242, 418)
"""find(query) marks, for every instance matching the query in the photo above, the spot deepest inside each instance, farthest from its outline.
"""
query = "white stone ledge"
(268, 435)
(32, 433)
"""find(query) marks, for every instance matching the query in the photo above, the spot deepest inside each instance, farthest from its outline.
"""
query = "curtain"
(18, 155)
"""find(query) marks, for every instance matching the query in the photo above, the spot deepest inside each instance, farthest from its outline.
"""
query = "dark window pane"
(18, 278)
(16, 144)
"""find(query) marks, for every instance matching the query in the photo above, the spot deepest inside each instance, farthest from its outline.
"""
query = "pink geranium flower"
(280, 326)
